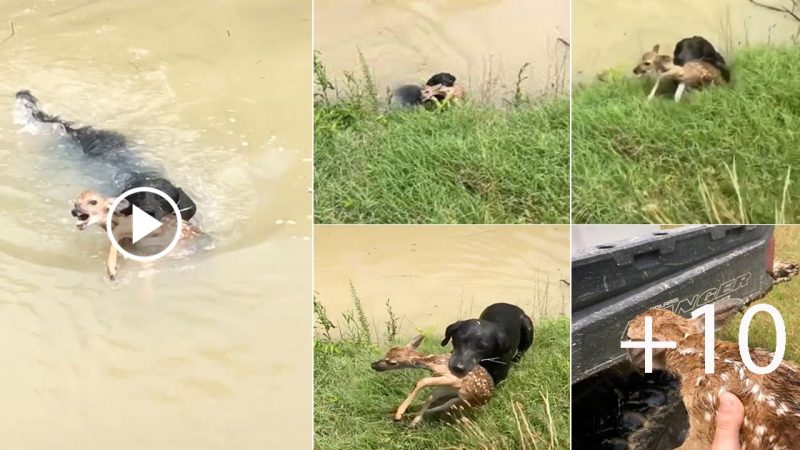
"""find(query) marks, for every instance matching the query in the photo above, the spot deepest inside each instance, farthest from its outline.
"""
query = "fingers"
(729, 421)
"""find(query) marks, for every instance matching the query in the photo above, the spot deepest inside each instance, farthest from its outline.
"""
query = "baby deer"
(471, 391)
(771, 402)
(692, 74)
(442, 93)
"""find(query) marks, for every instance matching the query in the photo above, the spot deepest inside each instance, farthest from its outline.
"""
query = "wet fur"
(113, 148)
(693, 74)
(499, 337)
(771, 402)
(450, 391)
(699, 48)
(440, 87)
(90, 207)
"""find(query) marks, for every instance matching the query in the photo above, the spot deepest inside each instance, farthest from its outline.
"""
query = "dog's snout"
(458, 368)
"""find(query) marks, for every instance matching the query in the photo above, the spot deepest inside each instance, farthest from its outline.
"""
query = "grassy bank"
(466, 163)
(353, 404)
(727, 154)
(783, 297)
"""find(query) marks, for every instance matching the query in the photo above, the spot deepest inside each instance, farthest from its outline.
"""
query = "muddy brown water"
(434, 275)
(613, 35)
(482, 42)
(193, 353)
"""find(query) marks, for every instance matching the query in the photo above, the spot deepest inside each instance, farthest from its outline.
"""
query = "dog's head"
(443, 78)
(26, 106)
(651, 62)
(91, 207)
(668, 326)
(399, 357)
(694, 48)
(474, 341)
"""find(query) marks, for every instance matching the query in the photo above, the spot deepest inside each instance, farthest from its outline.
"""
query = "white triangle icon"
(143, 224)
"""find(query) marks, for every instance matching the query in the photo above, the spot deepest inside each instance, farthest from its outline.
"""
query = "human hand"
(730, 416)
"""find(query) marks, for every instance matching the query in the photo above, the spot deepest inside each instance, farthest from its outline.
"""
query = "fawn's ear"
(656, 48)
(414, 343)
(123, 204)
(723, 311)
(448, 333)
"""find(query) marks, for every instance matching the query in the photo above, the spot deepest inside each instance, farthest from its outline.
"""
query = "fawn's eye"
(92, 202)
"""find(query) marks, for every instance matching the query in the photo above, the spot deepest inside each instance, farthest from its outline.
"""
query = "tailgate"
(680, 269)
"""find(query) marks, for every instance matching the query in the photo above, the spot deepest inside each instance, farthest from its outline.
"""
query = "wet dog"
(439, 88)
(499, 337)
(698, 48)
(131, 172)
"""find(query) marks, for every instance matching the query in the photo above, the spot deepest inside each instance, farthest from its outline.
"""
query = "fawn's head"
(651, 62)
(668, 326)
(91, 207)
(400, 357)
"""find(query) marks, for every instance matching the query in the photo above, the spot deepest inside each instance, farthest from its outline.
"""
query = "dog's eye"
(92, 202)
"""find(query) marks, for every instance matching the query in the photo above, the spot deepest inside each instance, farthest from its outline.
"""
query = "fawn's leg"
(437, 395)
(655, 89)
(679, 92)
(443, 407)
(111, 263)
(421, 384)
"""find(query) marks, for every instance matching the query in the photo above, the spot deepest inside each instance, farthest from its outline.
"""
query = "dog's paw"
(415, 423)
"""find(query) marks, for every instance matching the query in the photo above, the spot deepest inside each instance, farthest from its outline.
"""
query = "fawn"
(692, 74)
(472, 390)
(771, 402)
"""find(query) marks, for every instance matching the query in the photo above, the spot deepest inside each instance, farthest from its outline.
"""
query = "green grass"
(784, 297)
(353, 404)
(465, 163)
(726, 154)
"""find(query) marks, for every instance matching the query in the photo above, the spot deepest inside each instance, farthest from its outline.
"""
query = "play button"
(143, 224)
(155, 238)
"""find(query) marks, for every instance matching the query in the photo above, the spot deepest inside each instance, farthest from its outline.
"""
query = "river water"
(435, 275)
(611, 35)
(206, 352)
(483, 42)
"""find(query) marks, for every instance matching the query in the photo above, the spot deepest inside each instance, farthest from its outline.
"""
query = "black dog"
(698, 47)
(499, 337)
(112, 147)
(411, 94)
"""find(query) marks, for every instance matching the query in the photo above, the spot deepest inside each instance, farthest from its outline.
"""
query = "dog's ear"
(448, 333)
(656, 48)
(415, 342)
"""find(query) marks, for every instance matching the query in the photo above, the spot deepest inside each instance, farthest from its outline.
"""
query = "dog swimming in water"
(130, 171)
